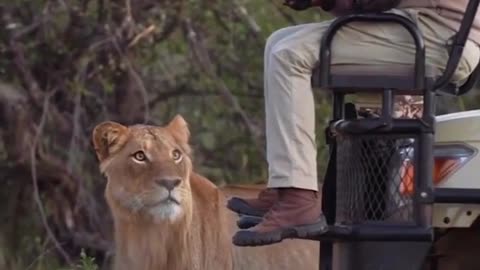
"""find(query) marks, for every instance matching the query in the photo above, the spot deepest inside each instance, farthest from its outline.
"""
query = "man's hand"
(299, 4)
(302, 4)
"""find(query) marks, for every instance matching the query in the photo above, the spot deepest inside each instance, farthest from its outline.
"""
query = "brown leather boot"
(254, 206)
(297, 214)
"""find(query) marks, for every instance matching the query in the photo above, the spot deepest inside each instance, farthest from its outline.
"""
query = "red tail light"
(447, 160)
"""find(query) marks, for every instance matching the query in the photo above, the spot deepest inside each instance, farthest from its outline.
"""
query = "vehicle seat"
(375, 78)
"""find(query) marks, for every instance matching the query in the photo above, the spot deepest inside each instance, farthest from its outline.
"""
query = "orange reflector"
(442, 168)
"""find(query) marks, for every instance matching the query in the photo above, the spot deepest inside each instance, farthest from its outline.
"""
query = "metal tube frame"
(457, 195)
(326, 43)
(456, 51)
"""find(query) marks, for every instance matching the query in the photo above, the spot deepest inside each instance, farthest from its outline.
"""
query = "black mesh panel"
(369, 173)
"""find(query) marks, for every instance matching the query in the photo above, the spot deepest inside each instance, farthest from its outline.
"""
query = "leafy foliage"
(86, 263)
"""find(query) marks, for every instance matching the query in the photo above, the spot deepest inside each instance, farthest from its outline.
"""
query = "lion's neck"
(152, 246)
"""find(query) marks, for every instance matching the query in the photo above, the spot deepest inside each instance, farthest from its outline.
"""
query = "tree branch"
(36, 193)
(138, 80)
(205, 62)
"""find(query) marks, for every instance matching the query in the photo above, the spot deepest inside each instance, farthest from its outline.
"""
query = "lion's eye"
(177, 155)
(139, 156)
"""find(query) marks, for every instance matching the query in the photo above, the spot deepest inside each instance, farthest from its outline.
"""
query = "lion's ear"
(108, 137)
(179, 129)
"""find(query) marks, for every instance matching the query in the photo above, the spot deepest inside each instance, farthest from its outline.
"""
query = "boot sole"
(249, 238)
(246, 221)
(239, 206)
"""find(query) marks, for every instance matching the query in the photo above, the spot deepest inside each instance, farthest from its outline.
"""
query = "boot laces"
(270, 216)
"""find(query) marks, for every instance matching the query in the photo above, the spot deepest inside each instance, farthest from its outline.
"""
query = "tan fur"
(241, 190)
(197, 237)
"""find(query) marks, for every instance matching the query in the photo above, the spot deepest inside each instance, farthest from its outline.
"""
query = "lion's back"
(289, 254)
(241, 190)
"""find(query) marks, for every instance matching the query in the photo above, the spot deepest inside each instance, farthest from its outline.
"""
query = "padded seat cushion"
(374, 77)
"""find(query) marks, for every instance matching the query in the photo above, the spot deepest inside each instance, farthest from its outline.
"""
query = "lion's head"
(148, 169)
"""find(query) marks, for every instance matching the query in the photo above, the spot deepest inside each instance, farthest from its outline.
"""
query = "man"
(292, 198)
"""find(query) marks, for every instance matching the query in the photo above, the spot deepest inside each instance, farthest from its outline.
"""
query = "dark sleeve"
(345, 7)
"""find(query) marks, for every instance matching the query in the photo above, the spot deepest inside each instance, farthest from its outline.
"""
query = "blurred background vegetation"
(67, 65)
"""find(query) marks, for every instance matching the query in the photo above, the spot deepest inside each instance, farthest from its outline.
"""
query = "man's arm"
(299, 4)
(344, 7)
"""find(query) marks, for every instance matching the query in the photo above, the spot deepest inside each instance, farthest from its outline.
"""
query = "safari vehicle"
(399, 193)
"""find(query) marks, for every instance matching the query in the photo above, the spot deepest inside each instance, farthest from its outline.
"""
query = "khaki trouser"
(291, 54)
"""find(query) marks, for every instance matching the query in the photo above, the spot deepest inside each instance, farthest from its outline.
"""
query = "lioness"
(166, 216)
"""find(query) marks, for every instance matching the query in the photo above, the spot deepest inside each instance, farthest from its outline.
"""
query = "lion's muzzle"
(168, 183)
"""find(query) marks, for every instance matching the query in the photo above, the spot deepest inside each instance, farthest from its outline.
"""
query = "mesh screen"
(370, 169)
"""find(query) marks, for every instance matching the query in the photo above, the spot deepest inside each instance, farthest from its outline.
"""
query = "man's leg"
(265, 200)
(291, 149)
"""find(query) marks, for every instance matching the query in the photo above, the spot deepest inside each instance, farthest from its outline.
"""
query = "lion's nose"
(168, 183)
